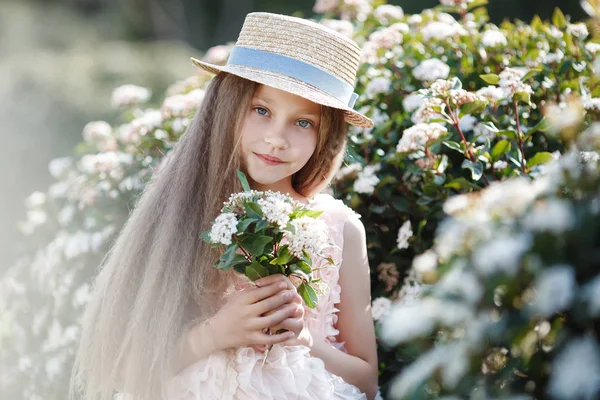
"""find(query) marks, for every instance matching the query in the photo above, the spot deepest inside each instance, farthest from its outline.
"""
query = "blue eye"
(307, 125)
(259, 109)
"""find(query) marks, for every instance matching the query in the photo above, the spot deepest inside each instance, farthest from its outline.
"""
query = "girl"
(163, 323)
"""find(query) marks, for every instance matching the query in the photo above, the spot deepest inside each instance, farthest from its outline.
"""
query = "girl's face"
(279, 135)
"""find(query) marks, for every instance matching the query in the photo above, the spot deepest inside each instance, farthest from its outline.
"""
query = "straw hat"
(298, 56)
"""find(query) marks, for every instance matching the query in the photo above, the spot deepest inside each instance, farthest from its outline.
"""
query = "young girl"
(163, 323)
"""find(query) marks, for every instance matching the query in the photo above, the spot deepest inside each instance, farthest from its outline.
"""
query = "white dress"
(290, 372)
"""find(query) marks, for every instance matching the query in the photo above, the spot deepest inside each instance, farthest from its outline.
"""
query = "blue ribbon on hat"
(330, 84)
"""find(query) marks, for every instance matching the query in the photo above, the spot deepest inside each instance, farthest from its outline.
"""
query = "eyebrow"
(303, 112)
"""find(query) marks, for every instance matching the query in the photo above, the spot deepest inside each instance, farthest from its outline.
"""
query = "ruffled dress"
(290, 372)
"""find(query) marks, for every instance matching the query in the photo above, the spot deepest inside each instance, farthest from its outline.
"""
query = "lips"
(269, 160)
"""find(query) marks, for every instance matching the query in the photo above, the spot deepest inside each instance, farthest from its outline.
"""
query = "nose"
(275, 136)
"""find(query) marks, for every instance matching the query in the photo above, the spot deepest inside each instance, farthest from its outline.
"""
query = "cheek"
(307, 146)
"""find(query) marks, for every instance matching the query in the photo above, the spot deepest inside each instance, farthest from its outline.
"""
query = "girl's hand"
(305, 338)
(243, 319)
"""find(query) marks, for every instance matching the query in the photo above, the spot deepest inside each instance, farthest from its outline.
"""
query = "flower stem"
(519, 135)
(246, 254)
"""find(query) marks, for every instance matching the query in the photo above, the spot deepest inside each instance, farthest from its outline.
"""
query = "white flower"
(441, 30)
(491, 93)
(377, 86)
(129, 95)
(65, 215)
(413, 101)
(425, 264)
(591, 294)
(96, 131)
(550, 58)
(217, 54)
(35, 199)
(181, 105)
(430, 70)
(427, 110)
(416, 137)
(500, 165)
(578, 30)
(58, 166)
(367, 179)
(510, 82)
(323, 6)
(386, 38)
(467, 123)
(400, 27)
(501, 254)
(554, 290)
(460, 282)
(507, 199)
(309, 234)
(342, 26)
(493, 38)
(592, 47)
(276, 209)
(590, 103)
(386, 13)
(568, 116)
(224, 228)
(552, 215)
(348, 169)
(575, 372)
(380, 307)
(404, 234)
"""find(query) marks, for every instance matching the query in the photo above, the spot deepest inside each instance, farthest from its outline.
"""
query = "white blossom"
(460, 282)
(378, 85)
(578, 30)
(493, 38)
(413, 101)
(386, 13)
(502, 254)
(416, 137)
(180, 105)
(568, 116)
(217, 54)
(500, 165)
(591, 294)
(467, 123)
(575, 372)
(550, 58)
(341, 26)
(592, 47)
(367, 179)
(511, 84)
(348, 170)
(554, 290)
(441, 30)
(386, 38)
(425, 264)
(380, 307)
(276, 209)
(430, 70)
(35, 199)
(491, 93)
(404, 234)
(552, 215)
(96, 131)
(224, 227)
(308, 234)
(129, 95)
(58, 166)
(427, 110)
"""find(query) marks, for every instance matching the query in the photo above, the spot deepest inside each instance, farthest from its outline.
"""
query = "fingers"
(277, 317)
(292, 324)
(253, 295)
(267, 280)
(271, 303)
(269, 340)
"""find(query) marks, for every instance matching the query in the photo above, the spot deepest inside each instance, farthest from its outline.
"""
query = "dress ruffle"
(290, 372)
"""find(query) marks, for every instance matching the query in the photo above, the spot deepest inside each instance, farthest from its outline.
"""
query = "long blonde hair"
(158, 277)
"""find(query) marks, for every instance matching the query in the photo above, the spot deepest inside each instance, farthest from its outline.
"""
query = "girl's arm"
(359, 366)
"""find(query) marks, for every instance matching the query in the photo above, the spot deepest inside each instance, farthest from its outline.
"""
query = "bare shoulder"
(354, 233)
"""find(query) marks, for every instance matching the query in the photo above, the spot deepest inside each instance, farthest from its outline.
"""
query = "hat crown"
(303, 40)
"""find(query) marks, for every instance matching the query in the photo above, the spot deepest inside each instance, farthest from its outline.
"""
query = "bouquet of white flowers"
(268, 233)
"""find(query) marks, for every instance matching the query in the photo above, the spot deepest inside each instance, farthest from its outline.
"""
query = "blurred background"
(60, 60)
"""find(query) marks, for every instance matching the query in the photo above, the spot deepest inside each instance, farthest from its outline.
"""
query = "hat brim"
(290, 85)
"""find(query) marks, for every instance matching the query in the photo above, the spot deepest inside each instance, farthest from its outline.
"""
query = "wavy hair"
(157, 278)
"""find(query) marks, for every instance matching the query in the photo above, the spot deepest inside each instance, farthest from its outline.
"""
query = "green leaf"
(255, 244)
(256, 271)
(253, 210)
(243, 180)
(542, 126)
(205, 236)
(461, 184)
(501, 148)
(523, 97)
(244, 223)
(531, 73)
(475, 167)
(261, 225)
(558, 19)
(308, 294)
(304, 266)
(453, 145)
(472, 108)
(283, 257)
(542, 157)
(476, 3)
(508, 133)
(230, 257)
(306, 213)
(492, 79)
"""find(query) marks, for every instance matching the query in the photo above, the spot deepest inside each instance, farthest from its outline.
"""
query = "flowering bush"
(458, 105)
